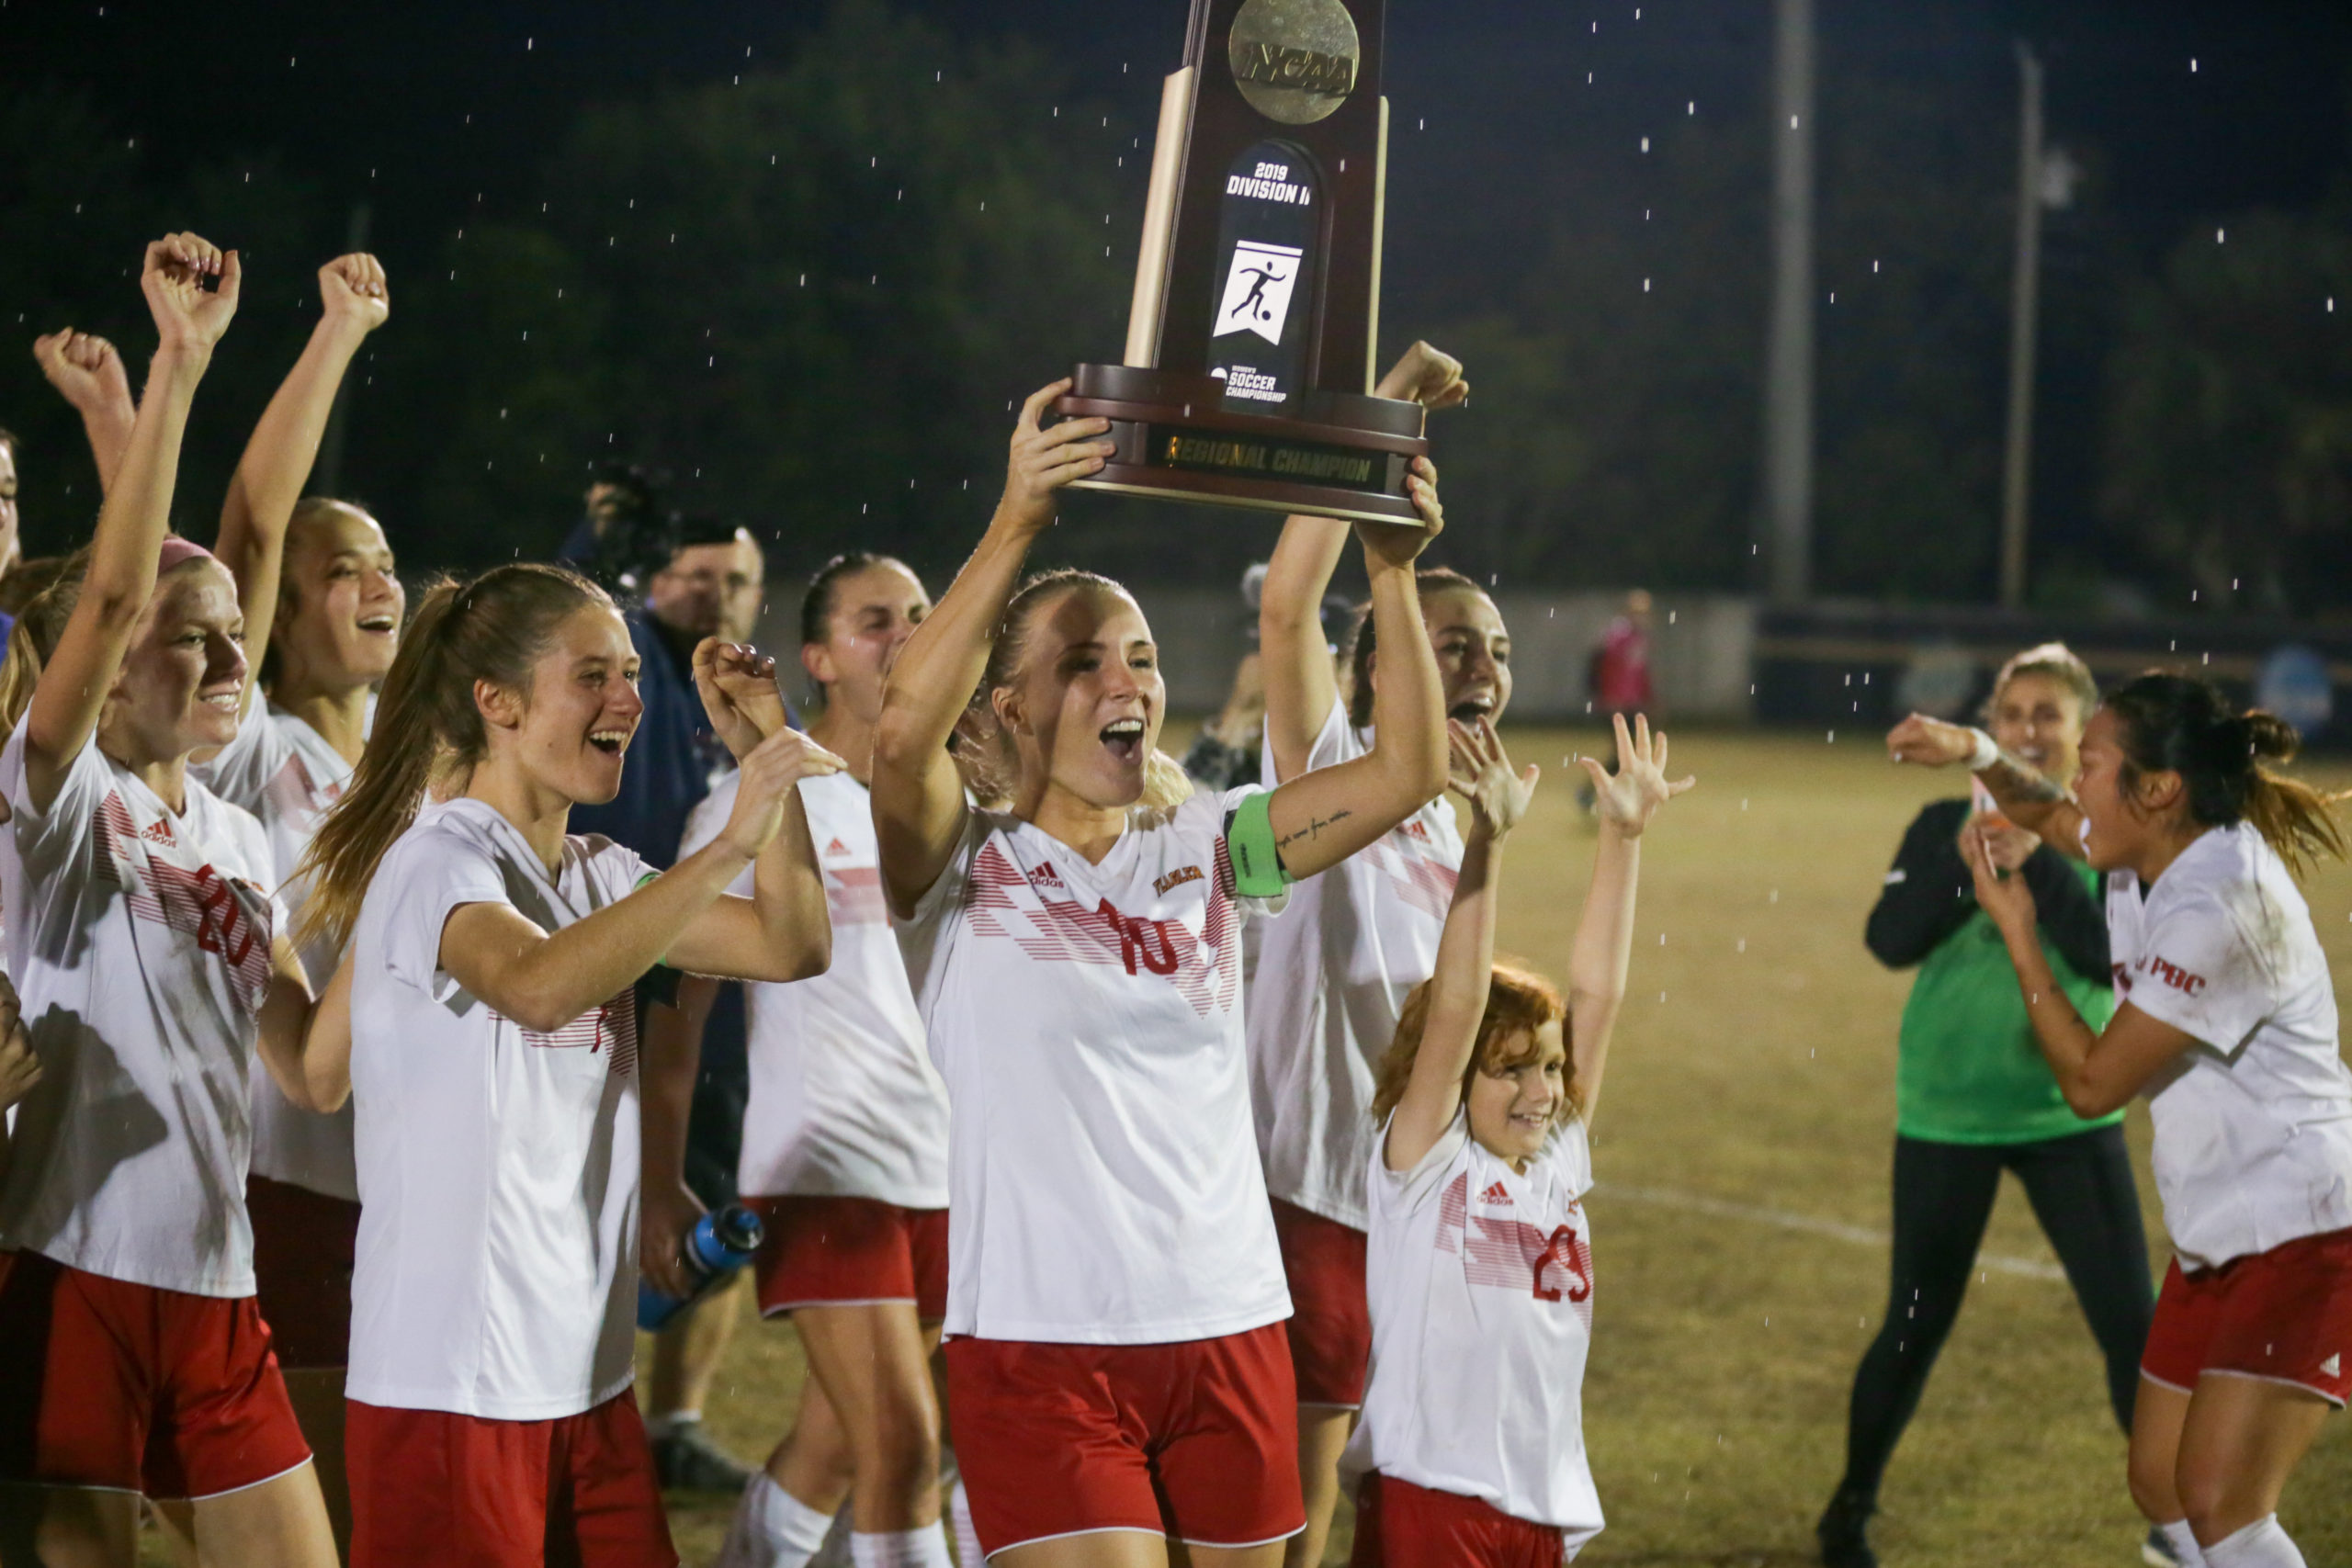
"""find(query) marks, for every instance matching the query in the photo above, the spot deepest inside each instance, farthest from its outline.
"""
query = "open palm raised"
(1628, 798)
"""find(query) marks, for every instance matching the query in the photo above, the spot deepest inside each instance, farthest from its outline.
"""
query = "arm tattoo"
(1313, 829)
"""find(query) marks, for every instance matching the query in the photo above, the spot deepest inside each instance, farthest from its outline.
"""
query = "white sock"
(2261, 1545)
(772, 1528)
(2183, 1542)
(924, 1548)
(968, 1540)
(669, 1422)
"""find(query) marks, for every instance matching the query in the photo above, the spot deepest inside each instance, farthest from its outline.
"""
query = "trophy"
(1257, 299)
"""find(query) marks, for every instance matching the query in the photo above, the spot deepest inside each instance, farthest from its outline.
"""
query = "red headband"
(177, 551)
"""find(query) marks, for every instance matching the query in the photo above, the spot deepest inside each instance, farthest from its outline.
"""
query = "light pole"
(2025, 301)
(1788, 359)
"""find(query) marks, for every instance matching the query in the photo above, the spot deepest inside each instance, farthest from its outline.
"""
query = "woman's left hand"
(738, 693)
(1480, 773)
(2005, 899)
(1627, 799)
(667, 1213)
(1400, 544)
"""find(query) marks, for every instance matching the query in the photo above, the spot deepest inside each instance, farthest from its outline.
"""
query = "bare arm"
(1465, 950)
(666, 1070)
(2098, 1072)
(1321, 817)
(87, 372)
(306, 1045)
(783, 931)
(137, 515)
(2026, 799)
(919, 810)
(1624, 802)
(276, 461)
(20, 1068)
(1301, 685)
(543, 980)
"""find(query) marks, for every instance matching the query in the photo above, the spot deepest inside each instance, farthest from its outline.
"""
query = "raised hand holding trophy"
(1257, 297)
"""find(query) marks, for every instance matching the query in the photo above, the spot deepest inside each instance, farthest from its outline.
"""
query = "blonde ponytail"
(984, 752)
(33, 639)
(427, 725)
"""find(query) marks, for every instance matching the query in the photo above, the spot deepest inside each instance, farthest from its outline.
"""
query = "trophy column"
(1256, 307)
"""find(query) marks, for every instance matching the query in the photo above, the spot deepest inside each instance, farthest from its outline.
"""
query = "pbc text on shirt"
(2173, 975)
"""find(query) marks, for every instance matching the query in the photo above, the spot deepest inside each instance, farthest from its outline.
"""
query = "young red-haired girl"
(1471, 1447)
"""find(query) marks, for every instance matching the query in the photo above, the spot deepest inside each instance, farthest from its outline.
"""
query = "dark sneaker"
(686, 1462)
(1845, 1543)
(2156, 1552)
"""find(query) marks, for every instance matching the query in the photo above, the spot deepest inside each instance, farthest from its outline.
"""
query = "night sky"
(443, 98)
(432, 112)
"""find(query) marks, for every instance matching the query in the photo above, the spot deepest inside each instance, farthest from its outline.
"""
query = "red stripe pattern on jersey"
(853, 894)
(1425, 883)
(1507, 1253)
(220, 914)
(1206, 970)
(610, 1027)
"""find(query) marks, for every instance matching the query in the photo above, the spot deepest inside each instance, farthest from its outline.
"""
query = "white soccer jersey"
(2253, 1129)
(498, 1166)
(1480, 1281)
(284, 771)
(844, 1102)
(139, 942)
(1087, 1020)
(1331, 976)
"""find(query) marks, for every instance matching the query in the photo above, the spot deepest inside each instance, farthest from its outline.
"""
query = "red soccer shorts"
(1400, 1525)
(1196, 1439)
(464, 1491)
(1330, 1322)
(2284, 1316)
(122, 1386)
(303, 1244)
(846, 1251)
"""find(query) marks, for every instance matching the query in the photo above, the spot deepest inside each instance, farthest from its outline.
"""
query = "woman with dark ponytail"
(491, 957)
(2226, 1018)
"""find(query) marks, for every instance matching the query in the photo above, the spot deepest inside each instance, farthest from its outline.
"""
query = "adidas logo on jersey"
(1044, 875)
(837, 848)
(1497, 1193)
(2333, 1366)
(157, 832)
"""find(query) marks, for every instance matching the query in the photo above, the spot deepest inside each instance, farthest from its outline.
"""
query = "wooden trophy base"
(1339, 455)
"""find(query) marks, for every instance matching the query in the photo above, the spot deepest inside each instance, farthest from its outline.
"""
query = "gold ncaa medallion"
(1294, 61)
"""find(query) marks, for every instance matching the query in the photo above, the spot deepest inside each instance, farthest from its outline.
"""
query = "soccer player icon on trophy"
(1255, 318)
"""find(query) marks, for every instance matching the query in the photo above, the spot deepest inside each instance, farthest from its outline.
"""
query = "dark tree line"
(811, 291)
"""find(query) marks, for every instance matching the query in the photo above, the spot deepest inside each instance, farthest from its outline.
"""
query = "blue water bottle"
(720, 1243)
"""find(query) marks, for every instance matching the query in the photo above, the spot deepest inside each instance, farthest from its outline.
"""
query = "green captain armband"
(1250, 848)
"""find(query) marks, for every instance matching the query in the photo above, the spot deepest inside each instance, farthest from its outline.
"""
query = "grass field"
(1743, 1148)
(1754, 1075)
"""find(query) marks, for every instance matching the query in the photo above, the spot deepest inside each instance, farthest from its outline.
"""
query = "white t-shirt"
(139, 942)
(1480, 1282)
(1331, 976)
(1087, 1020)
(2254, 1131)
(284, 771)
(498, 1166)
(844, 1102)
